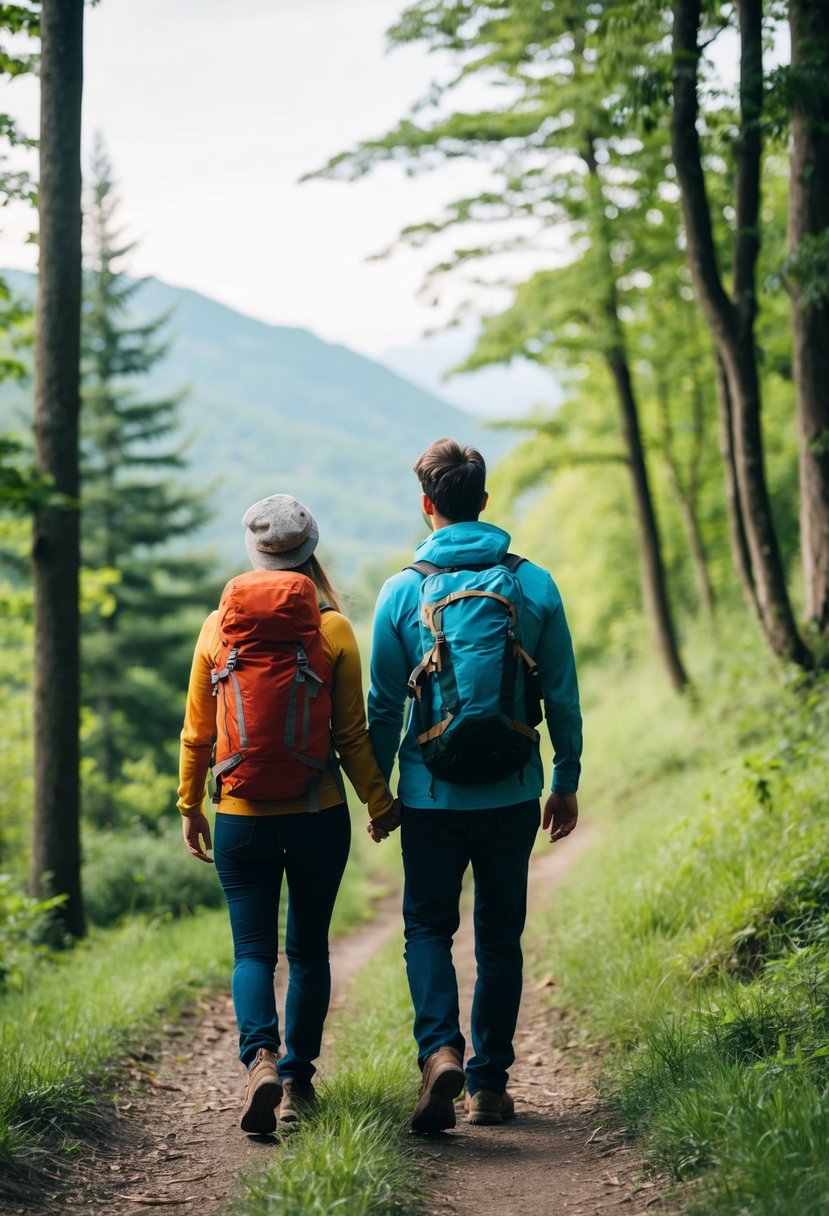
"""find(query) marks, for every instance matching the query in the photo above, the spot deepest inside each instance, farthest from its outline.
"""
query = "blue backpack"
(476, 690)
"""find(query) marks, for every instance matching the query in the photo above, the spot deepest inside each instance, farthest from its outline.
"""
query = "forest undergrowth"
(693, 940)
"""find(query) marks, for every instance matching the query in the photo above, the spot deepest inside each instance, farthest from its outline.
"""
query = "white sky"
(212, 109)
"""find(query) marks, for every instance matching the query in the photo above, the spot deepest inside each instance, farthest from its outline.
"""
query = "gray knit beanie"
(280, 533)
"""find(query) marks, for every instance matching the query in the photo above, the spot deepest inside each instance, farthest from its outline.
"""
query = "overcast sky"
(212, 110)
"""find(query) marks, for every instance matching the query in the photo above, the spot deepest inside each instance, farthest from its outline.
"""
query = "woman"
(256, 842)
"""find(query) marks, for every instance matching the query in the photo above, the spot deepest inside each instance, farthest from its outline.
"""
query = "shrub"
(136, 871)
(22, 921)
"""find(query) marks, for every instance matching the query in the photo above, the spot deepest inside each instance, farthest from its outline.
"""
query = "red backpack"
(273, 720)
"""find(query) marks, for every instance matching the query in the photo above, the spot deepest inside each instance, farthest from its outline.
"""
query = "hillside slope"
(276, 409)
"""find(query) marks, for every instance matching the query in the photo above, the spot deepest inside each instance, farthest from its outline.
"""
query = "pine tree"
(134, 510)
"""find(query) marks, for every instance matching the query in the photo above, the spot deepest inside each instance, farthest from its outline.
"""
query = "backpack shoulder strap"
(512, 561)
(424, 568)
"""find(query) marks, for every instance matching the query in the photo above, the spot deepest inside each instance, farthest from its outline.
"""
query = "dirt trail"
(563, 1153)
(174, 1143)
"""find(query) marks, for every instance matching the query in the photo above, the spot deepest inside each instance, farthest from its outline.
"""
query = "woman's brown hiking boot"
(488, 1107)
(297, 1101)
(262, 1096)
(443, 1079)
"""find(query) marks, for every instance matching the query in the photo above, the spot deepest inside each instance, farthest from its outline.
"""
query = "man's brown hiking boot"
(297, 1101)
(443, 1079)
(488, 1107)
(262, 1095)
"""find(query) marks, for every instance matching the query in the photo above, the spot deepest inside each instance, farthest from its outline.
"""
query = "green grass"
(68, 1021)
(695, 937)
(350, 1157)
(71, 1018)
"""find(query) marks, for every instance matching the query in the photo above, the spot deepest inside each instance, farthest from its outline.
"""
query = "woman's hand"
(380, 829)
(196, 829)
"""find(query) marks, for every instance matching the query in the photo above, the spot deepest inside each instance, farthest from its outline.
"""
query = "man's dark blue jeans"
(252, 854)
(438, 846)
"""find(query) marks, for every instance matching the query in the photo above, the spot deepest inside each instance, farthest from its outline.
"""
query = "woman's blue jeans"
(252, 854)
(438, 846)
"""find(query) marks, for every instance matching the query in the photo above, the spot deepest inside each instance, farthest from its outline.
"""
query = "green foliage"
(125, 873)
(138, 644)
(22, 921)
(22, 489)
(581, 174)
(591, 548)
(696, 936)
(15, 705)
(576, 135)
(808, 268)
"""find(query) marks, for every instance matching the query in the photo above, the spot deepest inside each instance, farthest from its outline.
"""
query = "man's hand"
(561, 813)
(196, 829)
(380, 829)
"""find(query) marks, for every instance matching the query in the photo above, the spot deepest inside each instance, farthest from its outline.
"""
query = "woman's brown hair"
(313, 568)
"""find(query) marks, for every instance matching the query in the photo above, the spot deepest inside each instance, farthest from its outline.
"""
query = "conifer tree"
(134, 511)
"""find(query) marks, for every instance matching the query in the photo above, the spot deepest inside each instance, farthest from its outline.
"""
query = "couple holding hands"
(477, 639)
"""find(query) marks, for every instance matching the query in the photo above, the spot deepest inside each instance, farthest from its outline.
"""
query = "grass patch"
(350, 1157)
(70, 1018)
(60, 1030)
(695, 937)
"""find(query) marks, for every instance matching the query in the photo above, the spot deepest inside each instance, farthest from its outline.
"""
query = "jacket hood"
(476, 543)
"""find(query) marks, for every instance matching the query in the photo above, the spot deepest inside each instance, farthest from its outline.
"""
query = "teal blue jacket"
(396, 651)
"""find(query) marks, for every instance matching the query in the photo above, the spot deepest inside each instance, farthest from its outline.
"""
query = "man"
(448, 825)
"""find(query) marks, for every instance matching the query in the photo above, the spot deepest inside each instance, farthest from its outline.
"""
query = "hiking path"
(172, 1144)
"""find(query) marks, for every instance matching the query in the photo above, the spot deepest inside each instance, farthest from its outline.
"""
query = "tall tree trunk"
(687, 494)
(56, 550)
(809, 218)
(699, 558)
(732, 321)
(740, 556)
(654, 582)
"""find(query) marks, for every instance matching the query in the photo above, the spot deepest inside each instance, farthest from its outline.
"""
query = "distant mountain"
(491, 392)
(272, 409)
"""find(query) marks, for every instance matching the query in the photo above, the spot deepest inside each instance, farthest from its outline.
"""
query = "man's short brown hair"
(454, 478)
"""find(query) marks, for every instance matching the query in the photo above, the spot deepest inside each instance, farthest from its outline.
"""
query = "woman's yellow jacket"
(348, 725)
